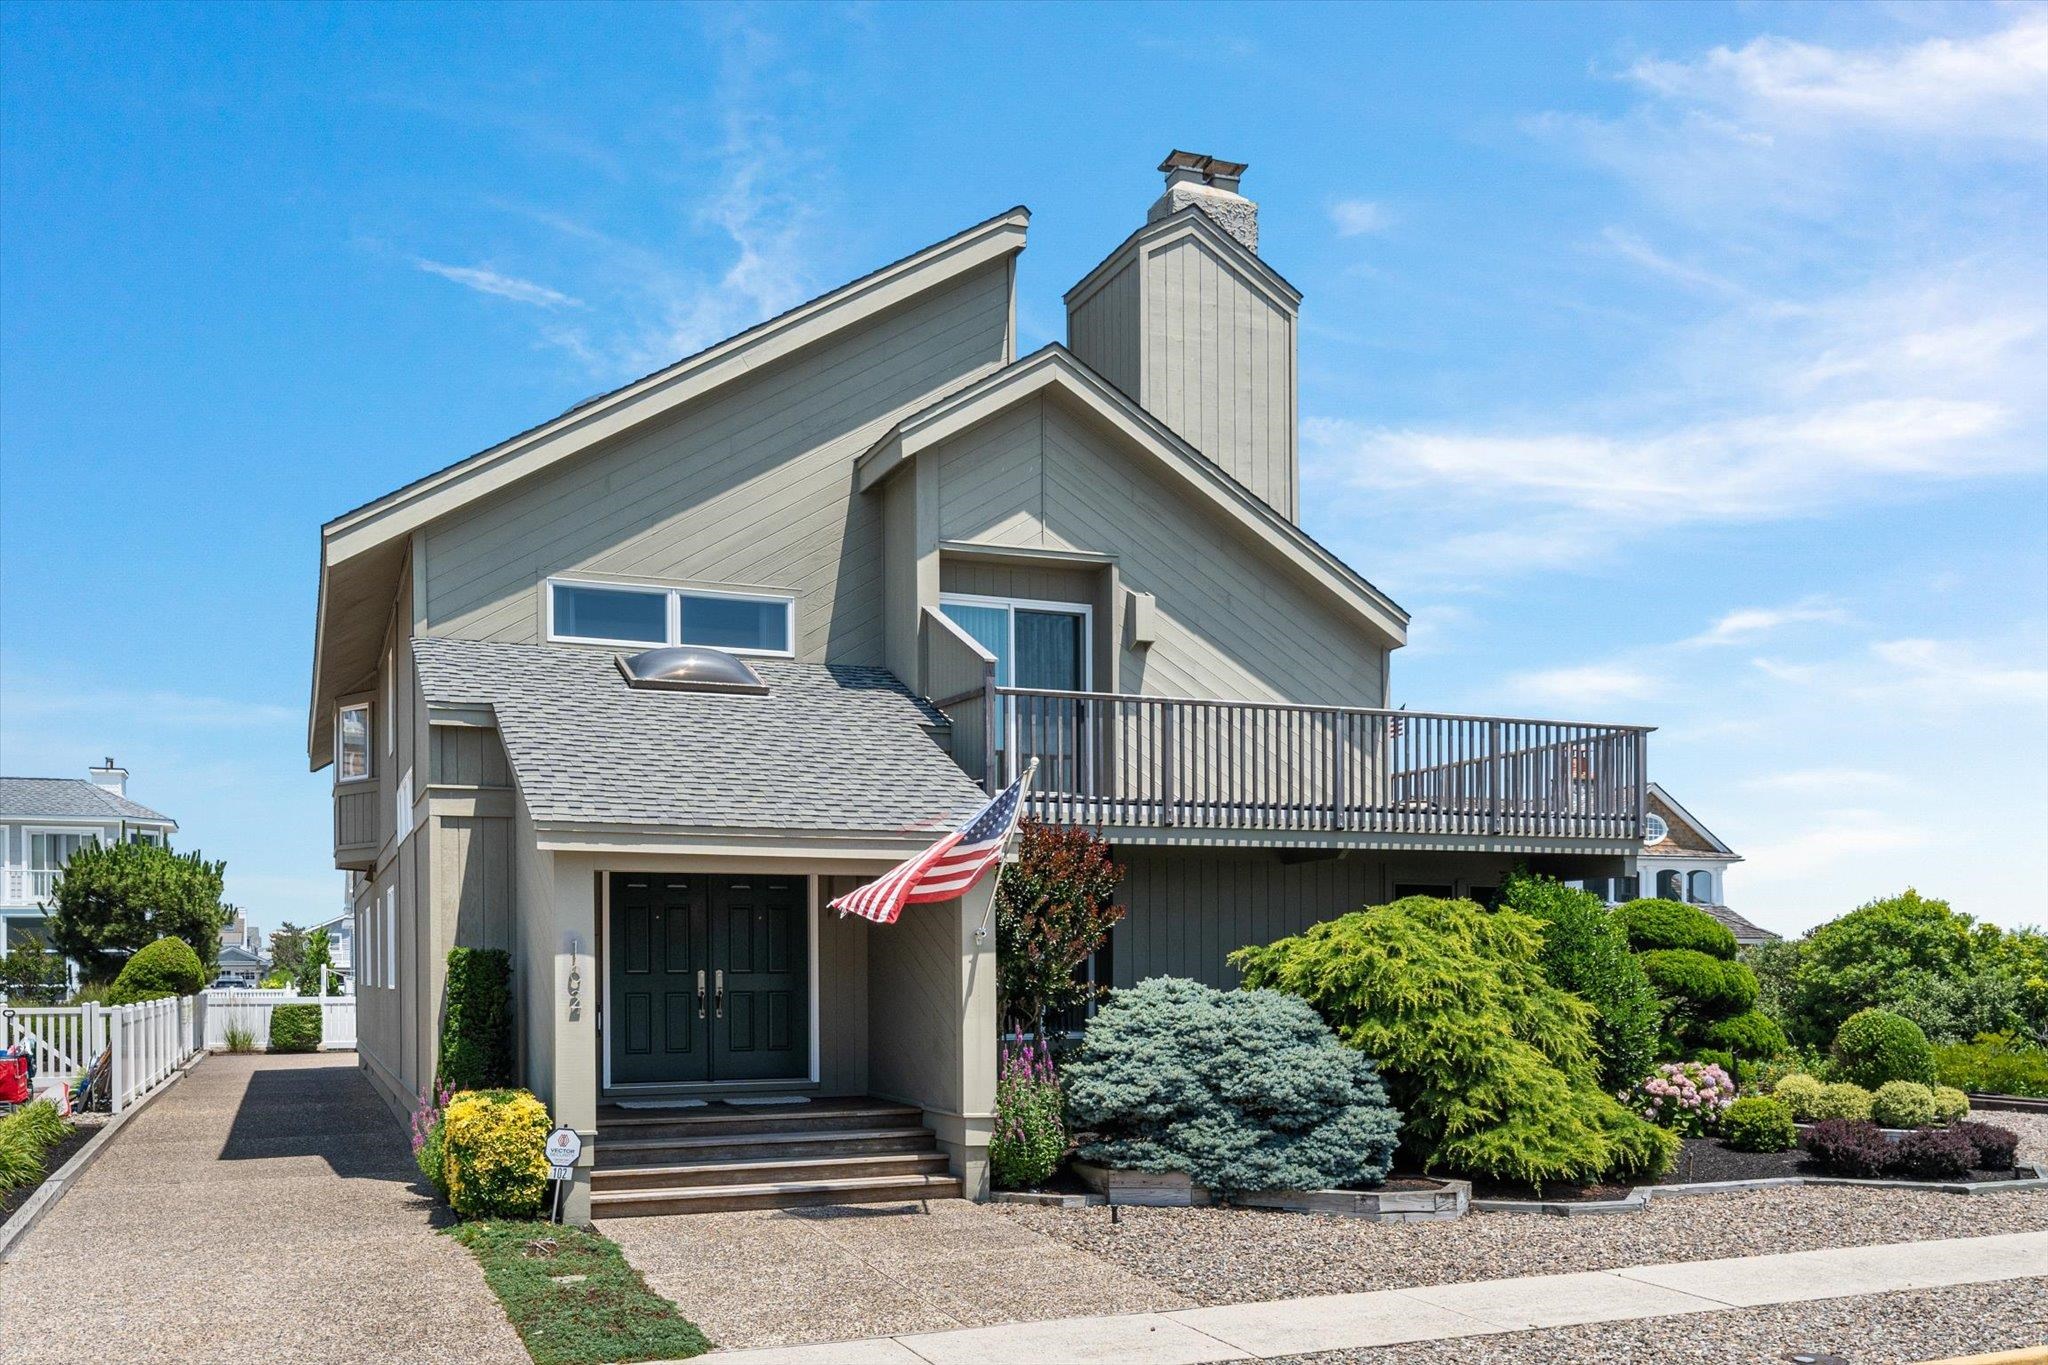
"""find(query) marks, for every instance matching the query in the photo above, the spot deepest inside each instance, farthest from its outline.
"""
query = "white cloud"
(1826, 781)
(1358, 217)
(1947, 671)
(502, 286)
(1584, 684)
(1831, 840)
(1749, 622)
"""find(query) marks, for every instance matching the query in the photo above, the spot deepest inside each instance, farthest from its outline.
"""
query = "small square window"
(352, 743)
(628, 615)
(753, 623)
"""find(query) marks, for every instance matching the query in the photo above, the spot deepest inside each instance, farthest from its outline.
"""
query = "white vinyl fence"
(250, 1010)
(144, 1043)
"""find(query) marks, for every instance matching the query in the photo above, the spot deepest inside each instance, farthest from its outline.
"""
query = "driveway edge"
(45, 1199)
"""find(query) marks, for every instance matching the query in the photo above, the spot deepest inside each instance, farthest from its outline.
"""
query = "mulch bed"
(53, 1162)
(1700, 1161)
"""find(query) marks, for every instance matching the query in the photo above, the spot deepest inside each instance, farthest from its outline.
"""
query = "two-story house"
(44, 820)
(636, 692)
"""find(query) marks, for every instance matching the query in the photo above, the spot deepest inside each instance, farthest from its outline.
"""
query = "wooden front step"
(778, 1195)
(708, 1174)
(760, 1146)
(717, 1120)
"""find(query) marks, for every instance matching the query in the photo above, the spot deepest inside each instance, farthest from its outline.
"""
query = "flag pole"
(981, 934)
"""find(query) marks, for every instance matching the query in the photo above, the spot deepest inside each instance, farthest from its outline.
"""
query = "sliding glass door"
(1037, 645)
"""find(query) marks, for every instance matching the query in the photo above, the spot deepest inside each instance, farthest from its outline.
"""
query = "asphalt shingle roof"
(68, 798)
(832, 747)
(1744, 930)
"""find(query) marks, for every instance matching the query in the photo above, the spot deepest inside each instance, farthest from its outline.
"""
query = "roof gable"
(1687, 835)
(71, 798)
(1056, 369)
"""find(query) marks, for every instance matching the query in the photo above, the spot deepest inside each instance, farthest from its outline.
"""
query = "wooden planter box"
(1173, 1189)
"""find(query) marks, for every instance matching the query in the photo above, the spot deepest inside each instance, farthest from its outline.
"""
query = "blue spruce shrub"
(1242, 1090)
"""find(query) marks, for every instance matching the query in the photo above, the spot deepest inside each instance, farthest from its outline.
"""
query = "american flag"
(946, 869)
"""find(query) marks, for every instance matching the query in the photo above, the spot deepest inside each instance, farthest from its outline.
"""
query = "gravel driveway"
(261, 1208)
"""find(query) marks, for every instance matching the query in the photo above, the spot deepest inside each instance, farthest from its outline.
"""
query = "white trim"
(673, 616)
(1040, 604)
(369, 773)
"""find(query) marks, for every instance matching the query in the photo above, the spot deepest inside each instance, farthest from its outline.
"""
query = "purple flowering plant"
(1686, 1097)
(1030, 1134)
(427, 1128)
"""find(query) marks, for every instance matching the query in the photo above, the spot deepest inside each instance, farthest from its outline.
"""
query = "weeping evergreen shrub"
(1243, 1090)
(1493, 1065)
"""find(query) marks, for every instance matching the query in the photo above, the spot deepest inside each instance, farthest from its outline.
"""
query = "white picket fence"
(145, 1043)
(250, 1010)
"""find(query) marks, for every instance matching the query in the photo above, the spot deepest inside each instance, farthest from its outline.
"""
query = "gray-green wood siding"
(1103, 328)
(753, 486)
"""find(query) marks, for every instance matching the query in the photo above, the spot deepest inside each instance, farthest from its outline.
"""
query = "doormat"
(772, 1099)
(659, 1104)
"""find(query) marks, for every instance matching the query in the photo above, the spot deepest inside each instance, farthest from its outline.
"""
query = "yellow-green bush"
(1842, 1100)
(1902, 1104)
(1800, 1092)
(1950, 1104)
(494, 1156)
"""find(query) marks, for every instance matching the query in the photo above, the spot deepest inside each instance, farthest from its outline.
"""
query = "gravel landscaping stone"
(2032, 1130)
(1878, 1329)
(1228, 1255)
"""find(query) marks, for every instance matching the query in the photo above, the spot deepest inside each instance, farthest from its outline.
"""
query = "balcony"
(1325, 773)
(355, 827)
(27, 886)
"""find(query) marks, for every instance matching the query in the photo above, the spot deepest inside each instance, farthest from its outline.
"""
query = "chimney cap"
(1208, 167)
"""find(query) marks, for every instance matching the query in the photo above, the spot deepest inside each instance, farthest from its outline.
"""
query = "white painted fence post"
(115, 1073)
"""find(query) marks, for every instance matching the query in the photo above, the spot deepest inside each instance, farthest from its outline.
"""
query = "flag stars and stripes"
(945, 870)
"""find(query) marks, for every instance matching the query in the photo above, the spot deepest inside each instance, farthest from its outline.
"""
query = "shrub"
(1950, 1104)
(1686, 1097)
(1883, 952)
(494, 1154)
(1659, 924)
(166, 967)
(1934, 1153)
(1852, 1147)
(429, 1136)
(1995, 1147)
(40, 1121)
(1902, 1104)
(1876, 1046)
(476, 1020)
(26, 1136)
(1801, 1094)
(295, 1028)
(237, 1036)
(112, 900)
(1994, 1064)
(1586, 952)
(1243, 1090)
(1749, 1034)
(1029, 1137)
(1053, 909)
(1758, 1123)
(1491, 1063)
(1842, 1100)
(1701, 984)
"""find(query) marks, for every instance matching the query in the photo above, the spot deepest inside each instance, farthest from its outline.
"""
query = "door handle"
(718, 1000)
(700, 992)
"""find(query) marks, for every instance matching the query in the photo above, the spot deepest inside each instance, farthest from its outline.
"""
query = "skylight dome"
(691, 668)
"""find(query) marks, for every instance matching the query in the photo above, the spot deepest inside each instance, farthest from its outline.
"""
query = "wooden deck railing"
(1111, 759)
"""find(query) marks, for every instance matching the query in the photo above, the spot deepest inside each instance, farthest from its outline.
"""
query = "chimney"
(109, 778)
(1210, 185)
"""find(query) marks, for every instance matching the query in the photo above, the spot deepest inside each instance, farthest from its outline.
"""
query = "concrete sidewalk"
(261, 1207)
(1292, 1327)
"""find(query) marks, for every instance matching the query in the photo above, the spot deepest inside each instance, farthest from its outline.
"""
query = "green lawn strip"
(609, 1315)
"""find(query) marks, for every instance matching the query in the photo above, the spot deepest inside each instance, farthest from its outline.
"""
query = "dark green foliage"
(1994, 1064)
(1875, 1046)
(1852, 1147)
(165, 967)
(32, 976)
(1700, 988)
(1776, 968)
(1243, 1090)
(1750, 1034)
(1053, 909)
(114, 899)
(1934, 1154)
(1493, 1065)
(1652, 924)
(1758, 1123)
(316, 954)
(582, 1302)
(1586, 952)
(476, 1022)
(1995, 1147)
(295, 1028)
(287, 950)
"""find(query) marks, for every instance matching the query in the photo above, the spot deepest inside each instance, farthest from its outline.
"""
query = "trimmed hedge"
(1842, 1100)
(1749, 1034)
(494, 1154)
(476, 1020)
(1902, 1104)
(1875, 1046)
(1709, 985)
(1758, 1123)
(1800, 1093)
(1653, 924)
(295, 1028)
(1950, 1104)
(163, 968)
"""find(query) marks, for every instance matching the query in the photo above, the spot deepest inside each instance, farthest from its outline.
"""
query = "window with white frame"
(629, 614)
(146, 836)
(352, 742)
(49, 850)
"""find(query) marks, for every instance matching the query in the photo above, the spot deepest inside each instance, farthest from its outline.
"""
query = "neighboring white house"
(1682, 860)
(44, 820)
(341, 944)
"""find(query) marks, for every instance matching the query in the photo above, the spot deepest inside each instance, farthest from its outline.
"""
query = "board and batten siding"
(751, 487)
(1102, 329)
(1232, 624)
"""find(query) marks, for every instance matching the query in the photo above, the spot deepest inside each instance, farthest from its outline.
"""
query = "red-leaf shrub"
(1934, 1154)
(1852, 1147)
(1995, 1146)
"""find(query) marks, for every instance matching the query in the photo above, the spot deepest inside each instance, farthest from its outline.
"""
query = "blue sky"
(1679, 365)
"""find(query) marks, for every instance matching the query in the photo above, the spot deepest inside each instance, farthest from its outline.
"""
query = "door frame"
(1084, 610)
(604, 977)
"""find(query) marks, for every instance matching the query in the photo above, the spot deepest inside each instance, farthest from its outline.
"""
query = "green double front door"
(709, 979)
